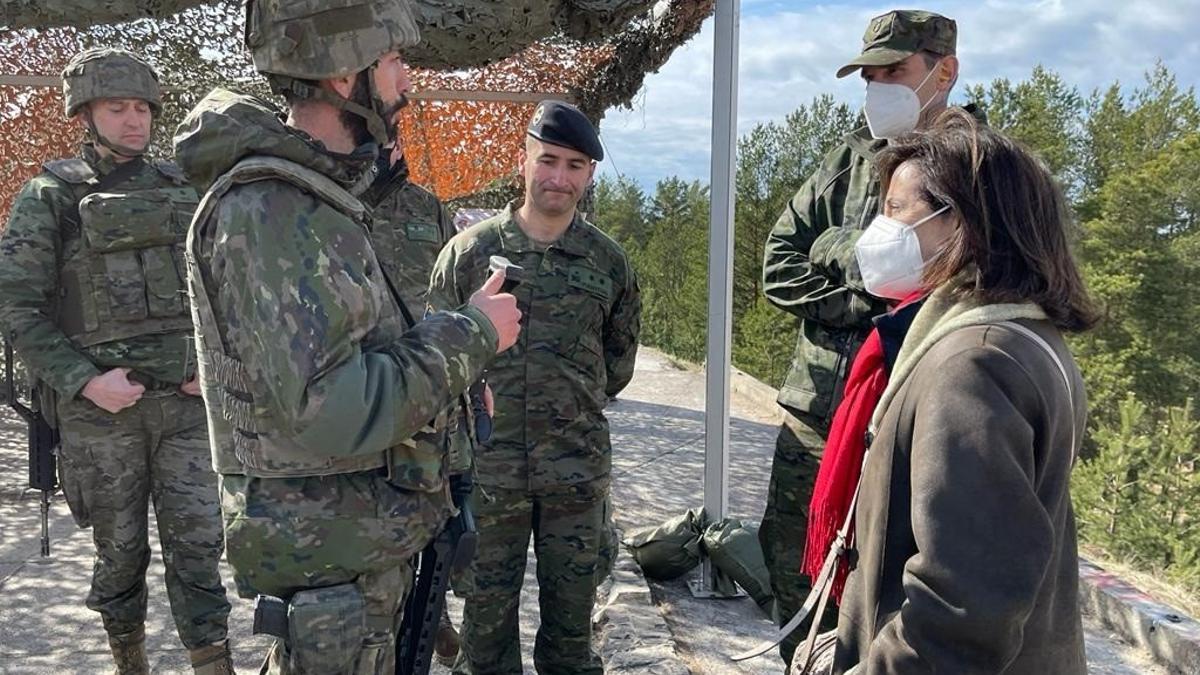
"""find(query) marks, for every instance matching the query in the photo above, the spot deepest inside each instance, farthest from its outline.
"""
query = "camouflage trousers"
(113, 468)
(610, 545)
(798, 450)
(291, 535)
(568, 530)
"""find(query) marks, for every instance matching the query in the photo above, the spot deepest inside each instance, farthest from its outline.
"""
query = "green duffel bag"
(734, 549)
(671, 549)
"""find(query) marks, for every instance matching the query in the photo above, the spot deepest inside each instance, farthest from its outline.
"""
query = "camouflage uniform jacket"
(41, 235)
(581, 313)
(298, 300)
(409, 228)
(810, 271)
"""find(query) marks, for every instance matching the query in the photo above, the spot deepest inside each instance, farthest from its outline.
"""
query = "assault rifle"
(43, 439)
(451, 551)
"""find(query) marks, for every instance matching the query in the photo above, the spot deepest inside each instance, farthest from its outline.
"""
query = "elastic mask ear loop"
(925, 263)
(931, 72)
(930, 217)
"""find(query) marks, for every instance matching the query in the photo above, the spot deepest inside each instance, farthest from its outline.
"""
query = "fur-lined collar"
(942, 314)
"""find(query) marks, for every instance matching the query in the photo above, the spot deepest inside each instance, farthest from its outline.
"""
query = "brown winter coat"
(966, 549)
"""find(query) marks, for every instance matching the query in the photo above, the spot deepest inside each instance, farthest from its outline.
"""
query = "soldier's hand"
(113, 391)
(489, 400)
(500, 309)
(191, 387)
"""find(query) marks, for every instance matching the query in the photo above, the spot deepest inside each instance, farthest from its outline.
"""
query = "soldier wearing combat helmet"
(92, 297)
(327, 400)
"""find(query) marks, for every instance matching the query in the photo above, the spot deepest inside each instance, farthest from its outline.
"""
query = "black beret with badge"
(560, 123)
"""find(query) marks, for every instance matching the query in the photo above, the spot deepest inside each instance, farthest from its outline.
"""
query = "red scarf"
(841, 464)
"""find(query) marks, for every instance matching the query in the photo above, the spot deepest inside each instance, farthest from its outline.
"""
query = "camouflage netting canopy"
(457, 33)
(455, 146)
(83, 13)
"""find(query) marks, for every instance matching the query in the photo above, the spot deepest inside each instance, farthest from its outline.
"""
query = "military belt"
(151, 383)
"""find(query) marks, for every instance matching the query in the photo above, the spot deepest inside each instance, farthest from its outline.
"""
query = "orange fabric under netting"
(454, 147)
(32, 131)
(32, 128)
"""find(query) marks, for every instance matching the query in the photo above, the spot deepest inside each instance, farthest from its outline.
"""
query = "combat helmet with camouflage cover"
(298, 42)
(106, 72)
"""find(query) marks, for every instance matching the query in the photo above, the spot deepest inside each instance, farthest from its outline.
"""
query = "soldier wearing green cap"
(327, 399)
(909, 66)
(545, 472)
(92, 298)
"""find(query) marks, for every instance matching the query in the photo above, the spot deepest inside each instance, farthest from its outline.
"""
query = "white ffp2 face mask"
(893, 109)
(889, 256)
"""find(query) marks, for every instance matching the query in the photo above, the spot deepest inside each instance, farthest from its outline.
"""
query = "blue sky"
(789, 50)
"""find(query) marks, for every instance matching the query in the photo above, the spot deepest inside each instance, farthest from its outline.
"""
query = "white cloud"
(789, 56)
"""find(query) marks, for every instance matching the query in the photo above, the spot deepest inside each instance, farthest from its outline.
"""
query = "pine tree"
(773, 161)
(620, 210)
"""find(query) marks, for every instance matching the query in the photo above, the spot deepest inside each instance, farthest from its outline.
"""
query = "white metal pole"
(720, 269)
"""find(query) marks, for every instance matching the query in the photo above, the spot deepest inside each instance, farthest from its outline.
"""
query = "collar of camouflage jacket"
(100, 164)
(514, 239)
(226, 127)
(389, 179)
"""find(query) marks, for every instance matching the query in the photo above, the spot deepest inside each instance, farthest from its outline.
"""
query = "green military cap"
(897, 35)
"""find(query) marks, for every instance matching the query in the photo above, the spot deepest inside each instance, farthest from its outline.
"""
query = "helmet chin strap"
(385, 113)
(122, 150)
(376, 116)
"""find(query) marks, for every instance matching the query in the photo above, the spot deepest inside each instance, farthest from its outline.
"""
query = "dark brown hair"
(1013, 243)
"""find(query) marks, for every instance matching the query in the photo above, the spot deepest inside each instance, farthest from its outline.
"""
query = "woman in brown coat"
(964, 551)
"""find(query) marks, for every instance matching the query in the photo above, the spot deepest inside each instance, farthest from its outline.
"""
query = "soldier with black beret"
(562, 124)
(546, 470)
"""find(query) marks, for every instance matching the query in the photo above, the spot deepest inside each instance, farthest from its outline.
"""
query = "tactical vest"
(246, 437)
(125, 276)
